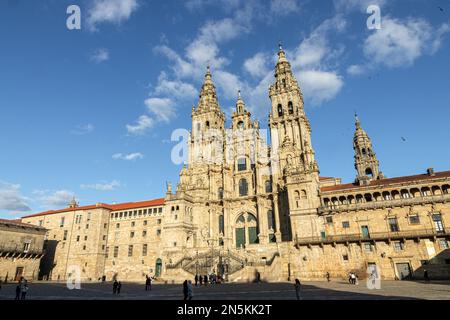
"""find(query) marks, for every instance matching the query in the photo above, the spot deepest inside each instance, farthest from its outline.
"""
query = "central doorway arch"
(246, 230)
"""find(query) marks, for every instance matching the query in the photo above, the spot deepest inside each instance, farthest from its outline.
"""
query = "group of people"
(22, 289)
(203, 280)
(188, 290)
(352, 278)
(117, 286)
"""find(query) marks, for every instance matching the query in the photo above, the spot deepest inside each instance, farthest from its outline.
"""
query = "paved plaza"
(335, 290)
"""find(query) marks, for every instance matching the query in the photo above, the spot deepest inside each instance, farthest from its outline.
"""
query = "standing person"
(24, 291)
(205, 280)
(328, 276)
(115, 285)
(190, 290)
(119, 286)
(147, 283)
(18, 292)
(356, 279)
(425, 275)
(297, 288)
(196, 279)
(185, 290)
(201, 280)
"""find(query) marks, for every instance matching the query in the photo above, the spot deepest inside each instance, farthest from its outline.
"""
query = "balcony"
(18, 250)
(381, 204)
(376, 236)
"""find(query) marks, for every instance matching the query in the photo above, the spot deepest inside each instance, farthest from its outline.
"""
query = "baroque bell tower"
(366, 162)
(294, 167)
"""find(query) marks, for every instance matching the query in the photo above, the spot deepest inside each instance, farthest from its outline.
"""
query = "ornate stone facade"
(243, 207)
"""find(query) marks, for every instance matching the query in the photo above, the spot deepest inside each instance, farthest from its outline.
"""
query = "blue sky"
(90, 112)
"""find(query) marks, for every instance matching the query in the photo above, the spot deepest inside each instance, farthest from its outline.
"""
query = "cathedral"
(243, 208)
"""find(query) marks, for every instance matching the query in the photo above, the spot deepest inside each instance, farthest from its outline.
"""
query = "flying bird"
(403, 139)
(441, 9)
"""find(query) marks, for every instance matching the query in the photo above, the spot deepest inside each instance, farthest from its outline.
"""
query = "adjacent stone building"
(21, 249)
(244, 207)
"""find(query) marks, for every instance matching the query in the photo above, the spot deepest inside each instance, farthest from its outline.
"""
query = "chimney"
(430, 172)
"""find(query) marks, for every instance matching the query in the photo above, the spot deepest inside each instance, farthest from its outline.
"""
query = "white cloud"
(228, 83)
(284, 7)
(11, 198)
(83, 129)
(112, 11)
(174, 88)
(143, 124)
(356, 70)
(56, 199)
(320, 86)
(162, 108)
(104, 186)
(99, 55)
(360, 5)
(257, 65)
(399, 43)
(128, 157)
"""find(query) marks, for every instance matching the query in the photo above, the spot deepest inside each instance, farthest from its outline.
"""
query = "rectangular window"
(393, 224)
(242, 164)
(41, 222)
(26, 247)
(160, 210)
(329, 220)
(133, 224)
(105, 225)
(443, 244)
(116, 252)
(345, 257)
(368, 247)
(144, 250)
(144, 233)
(104, 237)
(89, 216)
(61, 223)
(398, 246)
(65, 235)
(414, 219)
(85, 238)
(130, 250)
(145, 222)
(438, 225)
(87, 226)
(155, 210)
(84, 247)
(117, 225)
(158, 232)
(345, 224)
(158, 221)
(132, 234)
(107, 252)
(78, 238)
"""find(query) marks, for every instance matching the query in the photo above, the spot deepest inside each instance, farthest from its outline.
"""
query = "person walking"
(205, 280)
(196, 279)
(24, 291)
(297, 287)
(147, 283)
(328, 276)
(119, 286)
(115, 285)
(190, 290)
(18, 292)
(200, 278)
(425, 275)
(185, 290)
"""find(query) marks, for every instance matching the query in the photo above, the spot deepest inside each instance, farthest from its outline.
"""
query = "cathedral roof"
(19, 224)
(388, 181)
(112, 207)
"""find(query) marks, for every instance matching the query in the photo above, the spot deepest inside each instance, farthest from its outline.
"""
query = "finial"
(239, 94)
(280, 46)
(357, 123)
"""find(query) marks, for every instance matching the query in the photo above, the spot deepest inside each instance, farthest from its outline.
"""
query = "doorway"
(403, 271)
(19, 273)
(365, 232)
(158, 268)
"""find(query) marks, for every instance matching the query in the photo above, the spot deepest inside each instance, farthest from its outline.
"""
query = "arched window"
(303, 194)
(363, 151)
(270, 220)
(297, 198)
(220, 193)
(280, 110)
(243, 187)
(242, 164)
(369, 172)
(246, 230)
(221, 224)
(290, 107)
(207, 124)
(240, 125)
(268, 186)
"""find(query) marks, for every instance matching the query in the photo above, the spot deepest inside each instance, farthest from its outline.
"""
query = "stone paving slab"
(390, 290)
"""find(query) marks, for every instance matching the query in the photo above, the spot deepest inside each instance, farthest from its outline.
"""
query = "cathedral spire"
(366, 162)
(208, 97)
(240, 105)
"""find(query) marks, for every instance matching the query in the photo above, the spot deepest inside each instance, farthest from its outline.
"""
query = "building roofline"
(111, 207)
(388, 181)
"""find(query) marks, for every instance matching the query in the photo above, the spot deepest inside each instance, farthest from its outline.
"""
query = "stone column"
(277, 218)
